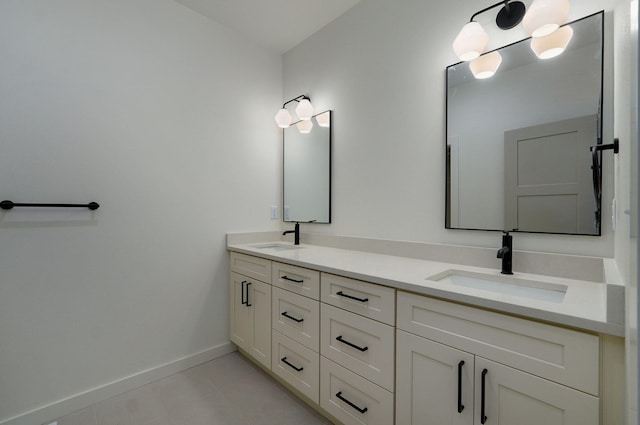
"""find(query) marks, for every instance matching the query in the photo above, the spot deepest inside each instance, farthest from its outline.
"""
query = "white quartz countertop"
(583, 306)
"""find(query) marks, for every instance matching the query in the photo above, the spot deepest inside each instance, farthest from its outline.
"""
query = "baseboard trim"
(51, 412)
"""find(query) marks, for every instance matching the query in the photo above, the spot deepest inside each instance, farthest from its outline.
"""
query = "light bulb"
(470, 42)
(283, 118)
(323, 119)
(304, 110)
(545, 16)
(305, 126)
(486, 65)
(553, 44)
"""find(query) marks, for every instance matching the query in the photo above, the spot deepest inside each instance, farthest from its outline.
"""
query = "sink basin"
(505, 285)
(276, 247)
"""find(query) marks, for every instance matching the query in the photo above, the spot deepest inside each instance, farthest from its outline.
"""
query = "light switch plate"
(274, 212)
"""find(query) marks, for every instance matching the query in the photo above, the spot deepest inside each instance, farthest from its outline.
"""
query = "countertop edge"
(585, 324)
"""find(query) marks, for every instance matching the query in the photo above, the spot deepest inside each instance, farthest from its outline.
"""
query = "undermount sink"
(505, 285)
(276, 247)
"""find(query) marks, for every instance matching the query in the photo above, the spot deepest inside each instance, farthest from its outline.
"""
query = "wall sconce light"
(304, 110)
(542, 19)
(553, 44)
(486, 65)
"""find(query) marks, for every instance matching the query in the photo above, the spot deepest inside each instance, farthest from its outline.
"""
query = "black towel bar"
(7, 205)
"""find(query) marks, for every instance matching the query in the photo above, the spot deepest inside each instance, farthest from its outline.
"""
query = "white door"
(259, 300)
(548, 180)
(428, 378)
(515, 397)
(238, 311)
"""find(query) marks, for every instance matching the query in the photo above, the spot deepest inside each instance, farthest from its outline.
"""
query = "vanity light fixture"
(304, 110)
(486, 65)
(473, 39)
(553, 44)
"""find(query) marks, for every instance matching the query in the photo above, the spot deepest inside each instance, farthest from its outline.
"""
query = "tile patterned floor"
(225, 391)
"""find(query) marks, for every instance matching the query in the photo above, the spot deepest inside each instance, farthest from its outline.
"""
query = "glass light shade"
(283, 118)
(323, 119)
(304, 110)
(305, 126)
(553, 44)
(470, 42)
(486, 65)
(545, 16)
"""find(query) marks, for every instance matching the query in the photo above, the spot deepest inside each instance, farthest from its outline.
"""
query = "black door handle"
(351, 297)
(285, 314)
(483, 416)
(297, 369)
(460, 405)
(350, 344)
(361, 410)
(292, 280)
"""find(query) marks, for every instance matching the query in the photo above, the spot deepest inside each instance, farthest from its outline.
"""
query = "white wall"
(381, 68)
(166, 119)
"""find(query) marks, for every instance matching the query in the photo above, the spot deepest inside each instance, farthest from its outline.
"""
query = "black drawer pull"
(297, 369)
(292, 280)
(483, 416)
(460, 405)
(363, 410)
(344, 341)
(351, 297)
(285, 314)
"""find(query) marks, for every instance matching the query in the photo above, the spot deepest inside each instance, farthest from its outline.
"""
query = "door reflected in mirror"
(307, 171)
(518, 143)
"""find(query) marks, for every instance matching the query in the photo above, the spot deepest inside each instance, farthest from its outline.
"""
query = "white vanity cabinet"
(462, 365)
(250, 306)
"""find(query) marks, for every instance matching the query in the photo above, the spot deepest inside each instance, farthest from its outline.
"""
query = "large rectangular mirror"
(307, 171)
(518, 143)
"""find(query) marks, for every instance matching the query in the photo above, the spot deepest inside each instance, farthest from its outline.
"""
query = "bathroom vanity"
(368, 338)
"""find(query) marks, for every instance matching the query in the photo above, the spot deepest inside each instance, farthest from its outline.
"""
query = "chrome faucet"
(296, 232)
(506, 253)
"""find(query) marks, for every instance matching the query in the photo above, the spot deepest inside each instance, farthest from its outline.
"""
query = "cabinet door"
(259, 344)
(432, 386)
(515, 397)
(238, 311)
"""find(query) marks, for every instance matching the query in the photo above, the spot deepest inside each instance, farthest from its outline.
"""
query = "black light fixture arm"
(509, 16)
(296, 99)
(7, 205)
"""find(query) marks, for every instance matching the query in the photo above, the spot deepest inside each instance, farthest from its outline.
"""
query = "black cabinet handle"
(460, 405)
(243, 296)
(247, 303)
(363, 410)
(351, 297)
(340, 339)
(285, 314)
(292, 280)
(483, 416)
(297, 369)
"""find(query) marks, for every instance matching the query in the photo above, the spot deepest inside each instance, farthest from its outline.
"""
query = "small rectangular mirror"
(518, 143)
(307, 171)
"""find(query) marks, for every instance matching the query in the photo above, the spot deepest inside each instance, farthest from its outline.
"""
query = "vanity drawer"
(359, 344)
(247, 265)
(297, 317)
(367, 299)
(352, 399)
(297, 279)
(560, 355)
(297, 365)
